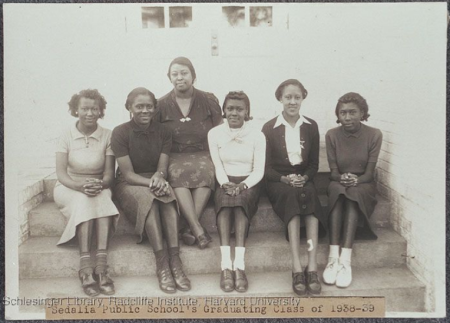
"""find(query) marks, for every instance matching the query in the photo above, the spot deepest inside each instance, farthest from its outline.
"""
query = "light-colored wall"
(393, 54)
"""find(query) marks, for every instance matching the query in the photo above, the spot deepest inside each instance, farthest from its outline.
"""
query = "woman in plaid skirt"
(238, 154)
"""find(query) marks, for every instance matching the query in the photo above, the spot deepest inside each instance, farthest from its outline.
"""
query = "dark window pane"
(260, 16)
(180, 17)
(234, 16)
(152, 17)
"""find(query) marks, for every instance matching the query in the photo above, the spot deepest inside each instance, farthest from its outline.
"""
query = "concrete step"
(39, 257)
(403, 292)
(46, 219)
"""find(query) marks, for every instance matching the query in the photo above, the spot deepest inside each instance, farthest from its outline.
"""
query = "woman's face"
(292, 99)
(235, 112)
(350, 115)
(88, 112)
(143, 109)
(181, 77)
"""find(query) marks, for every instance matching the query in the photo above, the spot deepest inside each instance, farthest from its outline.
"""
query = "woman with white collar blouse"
(238, 154)
(292, 160)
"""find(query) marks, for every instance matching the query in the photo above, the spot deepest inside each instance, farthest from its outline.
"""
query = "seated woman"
(238, 153)
(352, 150)
(85, 171)
(190, 113)
(292, 160)
(142, 149)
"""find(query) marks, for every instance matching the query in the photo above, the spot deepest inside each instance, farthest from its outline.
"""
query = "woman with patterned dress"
(142, 148)
(352, 151)
(292, 160)
(85, 171)
(238, 152)
(190, 113)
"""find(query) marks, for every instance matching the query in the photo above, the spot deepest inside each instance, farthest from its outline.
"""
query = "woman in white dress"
(85, 171)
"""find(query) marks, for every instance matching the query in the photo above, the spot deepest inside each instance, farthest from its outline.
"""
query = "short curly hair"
(93, 94)
(280, 88)
(135, 93)
(357, 99)
(237, 95)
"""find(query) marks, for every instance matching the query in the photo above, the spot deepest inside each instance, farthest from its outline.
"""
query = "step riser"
(140, 260)
(49, 222)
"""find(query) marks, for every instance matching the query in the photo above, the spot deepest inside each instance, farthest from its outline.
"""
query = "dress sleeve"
(221, 175)
(119, 142)
(167, 140)
(313, 158)
(62, 145)
(331, 151)
(109, 151)
(375, 146)
(215, 110)
(259, 161)
(270, 173)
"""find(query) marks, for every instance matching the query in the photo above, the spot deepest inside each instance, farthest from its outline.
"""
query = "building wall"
(393, 54)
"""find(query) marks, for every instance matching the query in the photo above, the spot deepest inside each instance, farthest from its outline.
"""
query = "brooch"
(185, 119)
(301, 144)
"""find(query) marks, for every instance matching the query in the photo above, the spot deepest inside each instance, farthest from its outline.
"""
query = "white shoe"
(344, 275)
(331, 271)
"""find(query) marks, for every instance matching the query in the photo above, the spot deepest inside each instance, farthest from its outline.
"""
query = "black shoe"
(313, 285)
(203, 240)
(299, 283)
(227, 280)
(187, 237)
(241, 282)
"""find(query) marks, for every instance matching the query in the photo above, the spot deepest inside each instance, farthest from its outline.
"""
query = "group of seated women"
(176, 151)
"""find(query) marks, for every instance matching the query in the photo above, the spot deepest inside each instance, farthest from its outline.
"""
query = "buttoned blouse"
(293, 142)
(237, 152)
(86, 155)
(277, 158)
(189, 133)
(143, 146)
(350, 152)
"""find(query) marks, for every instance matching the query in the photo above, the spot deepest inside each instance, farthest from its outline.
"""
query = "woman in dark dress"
(190, 114)
(292, 160)
(142, 149)
(352, 150)
(238, 152)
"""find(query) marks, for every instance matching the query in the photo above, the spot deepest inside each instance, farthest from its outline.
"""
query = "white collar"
(281, 121)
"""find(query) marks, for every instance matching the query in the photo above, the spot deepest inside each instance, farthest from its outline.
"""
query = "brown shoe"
(166, 281)
(176, 266)
(227, 280)
(313, 285)
(89, 284)
(241, 281)
(299, 283)
(105, 284)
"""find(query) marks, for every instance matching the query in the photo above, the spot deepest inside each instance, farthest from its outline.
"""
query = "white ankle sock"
(226, 257)
(334, 251)
(346, 256)
(239, 262)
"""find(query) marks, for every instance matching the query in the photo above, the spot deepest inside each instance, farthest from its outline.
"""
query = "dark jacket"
(277, 160)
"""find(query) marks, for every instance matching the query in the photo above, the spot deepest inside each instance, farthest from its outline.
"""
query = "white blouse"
(238, 152)
(292, 138)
